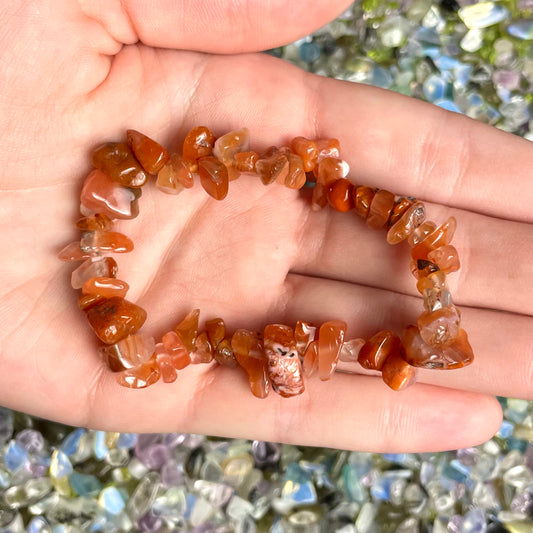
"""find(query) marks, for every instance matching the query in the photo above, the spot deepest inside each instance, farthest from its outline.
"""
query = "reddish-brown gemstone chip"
(440, 327)
(304, 334)
(96, 222)
(362, 197)
(73, 252)
(396, 372)
(106, 287)
(380, 209)
(248, 350)
(310, 362)
(118, 162)
(446, 258)
(272, 166)
(130, 352)
(115, 318)
(295, 178)
(203, 351)
(231, 143)
(216, 331)
(141, 376)
(328, 148)
(245, 161)
(399, 209)
(224, 354)
(174, 346)
(375, 351)
(105, 241)
(86, 301)
(213, 177)
(150, 154)
(92, 268)
(340, 195)
(330, 338)
(437, 238)
(404, 226)
(187, 329)
(307, 150)
(198, 143)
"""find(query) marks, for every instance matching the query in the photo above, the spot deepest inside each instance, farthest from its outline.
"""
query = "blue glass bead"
(522, 29)
(297, 485)
(71, 442)
(100, 446)
(111, 500)
(516, 444)
(352, 484)
(309, 51)
(38, 524)
(449, 105)
(434, 88)
(127, 440)
(60, 465)
(84, 484)
(455, 471)
(15, 456)
(506, 429)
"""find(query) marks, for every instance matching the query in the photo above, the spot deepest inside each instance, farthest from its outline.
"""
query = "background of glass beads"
(472, 58)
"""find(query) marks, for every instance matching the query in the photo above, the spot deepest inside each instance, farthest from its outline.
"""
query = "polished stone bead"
(228, 145)
(327, 172)
(272, 166)
(114, 319)
(362, 197)
(198, 143)
(96, 222)
(91, 268)
(328, 148)
(310, 360)
(106, 287)
(203, 351)
(117, 161)
(380, 209)
(412, 217)
(420, 354)
(141, 376)
(304, 334)
(101, 194)
(130, 352)
(216, 331)
(295, 178)
(400, 207)
(248, 350)
(340, 195)
(73, 252)
(284, 369)
(307, 150)
(213, 177)
(175, 347)
(87, 301)
(224, 355)
(187, 329)
(330, 339)
(435, 280)
(94, 242)
(245, 161)
(396, 372)
(350, 350)
(150, 154)
(440, 327)
(375, 351)
(421, 232)
(174, 176)
(437, 238)
(164, 362)
(446, 258)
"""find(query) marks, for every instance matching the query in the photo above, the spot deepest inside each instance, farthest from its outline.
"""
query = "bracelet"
(281, 355)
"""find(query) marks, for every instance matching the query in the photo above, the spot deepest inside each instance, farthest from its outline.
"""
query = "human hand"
(73, 79)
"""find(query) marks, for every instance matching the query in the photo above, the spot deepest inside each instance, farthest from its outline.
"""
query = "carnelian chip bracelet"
(280, 356)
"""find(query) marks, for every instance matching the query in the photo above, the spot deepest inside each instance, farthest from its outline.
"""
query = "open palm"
(79, 73)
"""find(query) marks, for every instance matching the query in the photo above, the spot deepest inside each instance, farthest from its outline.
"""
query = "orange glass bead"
(141, 376)
(307, 150)
(419, 354)
(328, 148)
(245, 161)
(198, 143)
(446, 258)
(130, 352)
(106, 287)
(439, 327)
(272, 166)
(91, 268)
(304, 334)
(203, 351)
(228, 145)
(117, 161)
(96, 222)
(362, 197)
(224, 354)
(340, 195)
(439, 237)
(213, 177)
(284, 369)
(150, 154)
(376, 350)
(295, 178)
(400, 207)
(216, 331)
(174, 176)
(187, 329)
(330, 338)
(174, 346)
(164, 362)
(103, 195)
(412, 217)
(380, 209)
(310, 362)
(396, 372)
(73, 252)
(420, 233)
(248, 350)
(115, 318)
(350, 350)
(105, 241)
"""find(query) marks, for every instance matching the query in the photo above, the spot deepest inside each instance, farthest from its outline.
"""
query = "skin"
(76, 74)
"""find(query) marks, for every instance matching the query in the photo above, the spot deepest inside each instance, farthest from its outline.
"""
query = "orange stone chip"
(117, 161)
(174, 346)
(216, 331)
(115, 318)
(440, 327)
(174, 176)
(187, 329)
(213, 177)
(198, 143)
(446, 258)
(307, 150)
(380, 209)
(140, 377)
(106, 287)
(437, 238)
(362, 197)
(165, 364)
(150, 154)
(98, 221)
(340, 195)
(105, 241)
(224, 354)
(130, 352)
(310, 362)
(407, 223)
(245, 161)
(330, 339)
(272, 166)
(375, 351)
(304, 334)
(203, 351)
(396, 372)
(248, 350)
(231, 143)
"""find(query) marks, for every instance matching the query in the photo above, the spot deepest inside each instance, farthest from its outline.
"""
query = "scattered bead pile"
(281, 355)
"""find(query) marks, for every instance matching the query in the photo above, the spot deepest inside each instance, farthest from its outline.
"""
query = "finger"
(501, 342)
(219, 26)
(496, 270)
